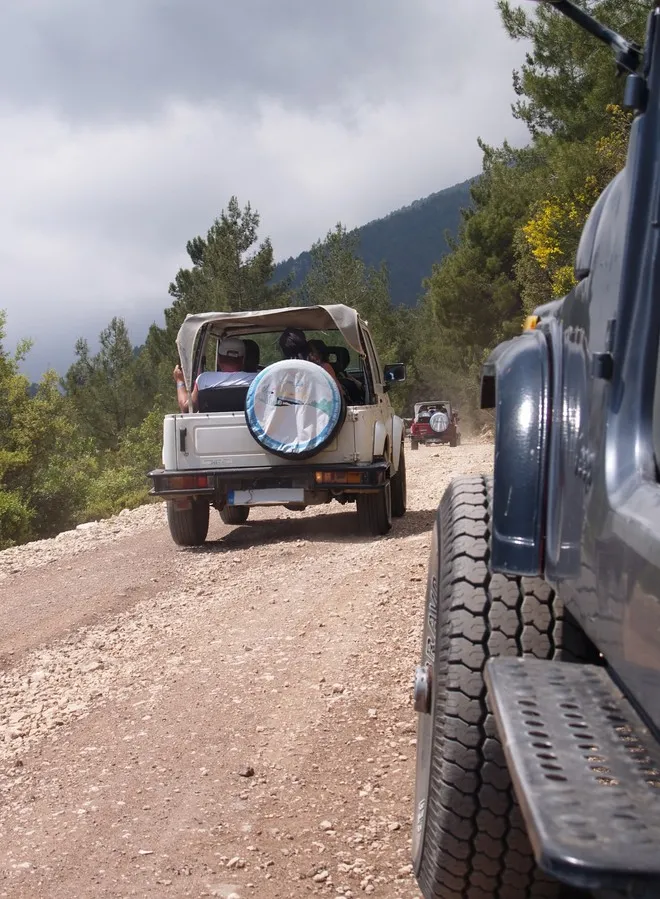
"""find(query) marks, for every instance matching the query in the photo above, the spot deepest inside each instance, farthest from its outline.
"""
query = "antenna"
(628, 55)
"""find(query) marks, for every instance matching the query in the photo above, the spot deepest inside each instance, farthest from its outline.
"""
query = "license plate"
(268, 496)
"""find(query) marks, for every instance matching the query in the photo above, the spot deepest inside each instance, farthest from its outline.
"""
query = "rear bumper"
(211, 482)
(432, 438)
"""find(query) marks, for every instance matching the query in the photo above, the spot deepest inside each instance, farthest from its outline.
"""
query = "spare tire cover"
(439, 422)
(294, 408)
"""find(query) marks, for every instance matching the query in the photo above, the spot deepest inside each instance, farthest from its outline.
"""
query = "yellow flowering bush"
(553, 232)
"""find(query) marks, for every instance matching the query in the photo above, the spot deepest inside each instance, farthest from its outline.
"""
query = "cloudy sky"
(127, 125)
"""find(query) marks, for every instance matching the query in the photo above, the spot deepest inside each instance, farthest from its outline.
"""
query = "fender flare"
(516, 382)
(380, 437)
(397, 440)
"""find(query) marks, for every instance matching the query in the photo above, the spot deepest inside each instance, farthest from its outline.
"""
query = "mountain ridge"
(409, 240)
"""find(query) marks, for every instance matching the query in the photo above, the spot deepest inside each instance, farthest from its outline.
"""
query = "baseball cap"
(231, 347)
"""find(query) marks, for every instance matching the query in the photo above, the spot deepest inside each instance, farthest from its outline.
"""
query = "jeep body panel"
(516, 380)
(198, 440)
(593, 513)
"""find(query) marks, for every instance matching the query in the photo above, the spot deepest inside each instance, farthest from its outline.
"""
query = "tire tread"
(474, 830)
(189, 527)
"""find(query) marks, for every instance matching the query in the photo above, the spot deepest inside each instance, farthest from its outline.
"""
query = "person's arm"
(182, 393)
(330, 370)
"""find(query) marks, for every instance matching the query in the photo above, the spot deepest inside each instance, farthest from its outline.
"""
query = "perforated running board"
(585, 769)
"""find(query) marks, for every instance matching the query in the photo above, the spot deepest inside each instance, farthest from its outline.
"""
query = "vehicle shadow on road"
(340, 527)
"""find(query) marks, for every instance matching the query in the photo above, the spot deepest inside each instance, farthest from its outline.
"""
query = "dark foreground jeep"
(538, 761)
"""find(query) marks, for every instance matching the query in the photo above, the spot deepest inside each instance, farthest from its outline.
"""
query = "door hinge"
(352, 415)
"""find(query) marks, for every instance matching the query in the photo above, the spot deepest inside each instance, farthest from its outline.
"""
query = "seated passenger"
(293, 344)
(353, 389)
(318, 353)
(230, 373)
(252, 355)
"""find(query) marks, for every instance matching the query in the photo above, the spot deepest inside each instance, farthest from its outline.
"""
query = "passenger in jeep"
(230, 373)
(252, 355)
(293, 344)
(318, 353)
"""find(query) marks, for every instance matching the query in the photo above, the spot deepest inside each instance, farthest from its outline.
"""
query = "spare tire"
(294, 409)
(439, 422)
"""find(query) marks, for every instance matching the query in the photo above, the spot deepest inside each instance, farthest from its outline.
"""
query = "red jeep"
(434, 423)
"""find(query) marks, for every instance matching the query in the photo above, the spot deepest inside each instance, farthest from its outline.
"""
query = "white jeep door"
(381, 411)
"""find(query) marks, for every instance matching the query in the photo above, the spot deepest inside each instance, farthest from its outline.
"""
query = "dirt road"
(230, 721)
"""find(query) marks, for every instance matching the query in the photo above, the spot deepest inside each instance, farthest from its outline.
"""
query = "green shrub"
(15, 519)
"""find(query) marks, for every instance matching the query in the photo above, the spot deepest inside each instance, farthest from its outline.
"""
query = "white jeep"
(296, 436)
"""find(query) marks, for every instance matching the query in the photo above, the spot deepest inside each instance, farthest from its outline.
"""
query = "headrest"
(341, 357)
(252, 355)
(222, 399)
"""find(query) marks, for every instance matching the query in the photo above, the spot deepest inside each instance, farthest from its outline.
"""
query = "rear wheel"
(414, 444)
(399, 489)
(374, 512)
(235, 514)
(469, 838)
(189, 527)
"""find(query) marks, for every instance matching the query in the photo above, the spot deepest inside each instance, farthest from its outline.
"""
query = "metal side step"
(585, 769)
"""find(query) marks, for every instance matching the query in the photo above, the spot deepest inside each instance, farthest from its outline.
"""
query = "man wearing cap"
(231, 356)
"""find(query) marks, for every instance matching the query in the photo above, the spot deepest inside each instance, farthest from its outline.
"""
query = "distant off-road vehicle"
(434, 422)
(538, 753)
(295, 435)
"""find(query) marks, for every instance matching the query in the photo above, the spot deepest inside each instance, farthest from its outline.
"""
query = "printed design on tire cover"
(293, 407)
(439, 422)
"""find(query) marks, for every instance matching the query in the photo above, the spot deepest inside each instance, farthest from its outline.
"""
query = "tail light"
(338, 477)
(185, 481)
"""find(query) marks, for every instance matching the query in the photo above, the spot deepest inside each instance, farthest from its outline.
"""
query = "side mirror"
(395, 373)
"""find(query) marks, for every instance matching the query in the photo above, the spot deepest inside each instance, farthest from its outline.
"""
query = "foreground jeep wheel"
(399, 488)
(375, 512)
(189, 527)
(469, 838)
(235, 514)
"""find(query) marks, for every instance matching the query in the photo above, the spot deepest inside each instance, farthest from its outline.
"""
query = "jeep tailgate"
(222, 440)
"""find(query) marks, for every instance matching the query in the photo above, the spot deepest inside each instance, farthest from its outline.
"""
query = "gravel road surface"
(233, 720)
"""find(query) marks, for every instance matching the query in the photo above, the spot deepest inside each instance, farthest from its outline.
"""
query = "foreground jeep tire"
(374, 512)
(189, 527)
(235, 514)
(469, 838)
(399, 488)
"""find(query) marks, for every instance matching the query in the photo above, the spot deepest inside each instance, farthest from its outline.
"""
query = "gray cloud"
(92, 58)
(128, 125)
